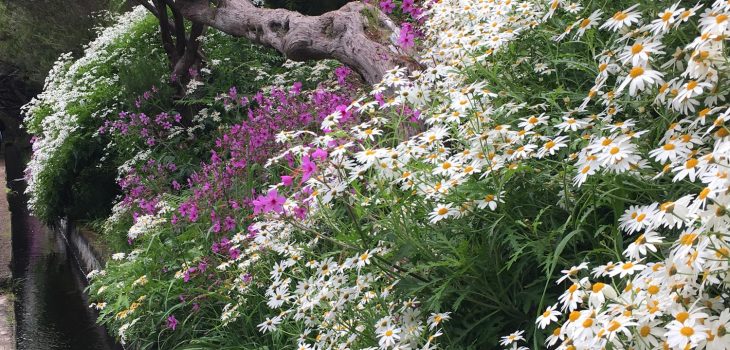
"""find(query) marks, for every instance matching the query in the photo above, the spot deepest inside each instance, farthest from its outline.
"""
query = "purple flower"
(287, 180)
(296, 88)
(271, 202)
(387, 6)
(319, 154)
(247, 277)
(171, 322)
(188, 272)
(408, 6)
(407, 36)
(342, 72)
(308, 168)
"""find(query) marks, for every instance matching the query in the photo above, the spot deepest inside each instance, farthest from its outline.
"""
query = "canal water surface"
(50, 309)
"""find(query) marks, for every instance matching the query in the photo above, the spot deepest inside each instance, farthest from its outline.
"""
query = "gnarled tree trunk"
(358, 35)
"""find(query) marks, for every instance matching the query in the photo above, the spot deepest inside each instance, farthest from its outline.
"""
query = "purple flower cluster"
(150, 129)
(253, 141)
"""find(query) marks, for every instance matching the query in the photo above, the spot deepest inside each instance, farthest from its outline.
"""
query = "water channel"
(50, 309)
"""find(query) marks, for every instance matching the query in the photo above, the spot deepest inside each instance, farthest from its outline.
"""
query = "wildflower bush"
(72, 170)
(555, 176)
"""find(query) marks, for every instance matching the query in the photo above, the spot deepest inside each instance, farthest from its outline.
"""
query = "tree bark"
(358, 35)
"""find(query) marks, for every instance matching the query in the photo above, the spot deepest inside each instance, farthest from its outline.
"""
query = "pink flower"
(308, 168)
(319, 154)
(408, 6)
(407, 36)
(387, 6)
(171, 322)
(342, 72)
(271, 202)
(286, 180)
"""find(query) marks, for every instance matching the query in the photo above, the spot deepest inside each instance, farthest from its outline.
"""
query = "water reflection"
(50, 307)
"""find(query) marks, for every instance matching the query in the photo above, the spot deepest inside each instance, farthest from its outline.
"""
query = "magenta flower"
(342, 72)
(308, 168)
(408, 6)
(319, 154)
(271, 202)
(171, 322)
(407, 36)
(286, 180)
(387, 6)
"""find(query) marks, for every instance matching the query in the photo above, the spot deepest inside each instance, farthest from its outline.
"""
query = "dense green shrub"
(561, 165)
(73, 169)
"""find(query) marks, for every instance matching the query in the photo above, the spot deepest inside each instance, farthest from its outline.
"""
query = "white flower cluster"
(666, 294)
(69, 82)
(336, 301)
(144, 224)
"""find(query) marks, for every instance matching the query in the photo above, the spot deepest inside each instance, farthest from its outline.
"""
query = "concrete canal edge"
(87, 247)
(7, 299)
(90, 253)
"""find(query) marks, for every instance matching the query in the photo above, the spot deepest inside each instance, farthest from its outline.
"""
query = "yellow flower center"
(687, 331)
(687, 239)
(574, 316)
(637, 48)
(704, 193)
(636, 72)
(691, 163)
(666, 16)
(620, 16)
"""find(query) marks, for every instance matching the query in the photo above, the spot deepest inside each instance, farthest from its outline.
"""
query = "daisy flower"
(550, 315)
(512, 338)
(640, 78)
(683, 334)
(269, 325)
(623, 19)
(388, 337)
(587, 23)
(442, 211)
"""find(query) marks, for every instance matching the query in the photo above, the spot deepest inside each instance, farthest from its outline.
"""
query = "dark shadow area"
(51, 309)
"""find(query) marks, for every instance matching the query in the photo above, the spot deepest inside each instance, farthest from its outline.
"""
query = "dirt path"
(7, 313)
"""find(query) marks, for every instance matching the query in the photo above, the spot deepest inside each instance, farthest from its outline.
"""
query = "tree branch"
(179, 28)
(190, 55)
(167, 42)
(149, 7)
(358, 35)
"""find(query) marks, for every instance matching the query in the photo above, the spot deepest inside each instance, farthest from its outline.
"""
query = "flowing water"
(50, 309)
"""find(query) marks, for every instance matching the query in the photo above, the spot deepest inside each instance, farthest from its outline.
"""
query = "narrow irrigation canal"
(50, 308)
